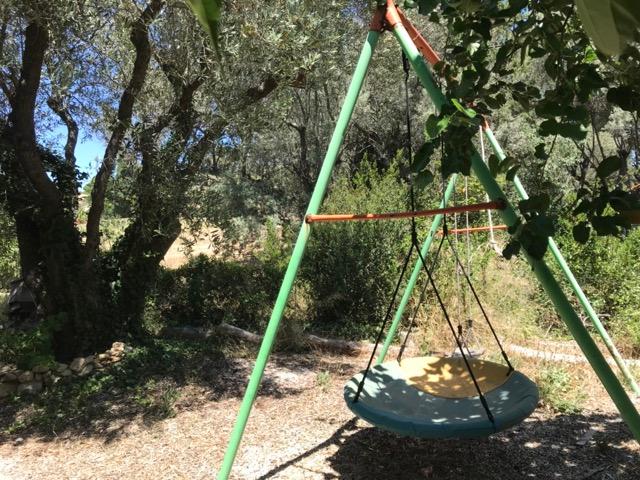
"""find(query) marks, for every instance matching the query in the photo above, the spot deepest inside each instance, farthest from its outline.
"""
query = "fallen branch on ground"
(200, 333)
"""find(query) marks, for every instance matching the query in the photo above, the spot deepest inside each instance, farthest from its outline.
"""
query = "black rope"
(484, 313)
(384, 323)
(421, 298)
(483, 400)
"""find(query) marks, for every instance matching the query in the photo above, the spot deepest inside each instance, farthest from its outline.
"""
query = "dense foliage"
(234, 134)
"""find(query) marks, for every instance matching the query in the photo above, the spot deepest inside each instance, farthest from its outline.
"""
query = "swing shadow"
(538, 449)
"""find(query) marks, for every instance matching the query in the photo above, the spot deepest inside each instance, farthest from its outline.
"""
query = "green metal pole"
(298, 251)
(575, 286)
(435, 225)
(549, 283)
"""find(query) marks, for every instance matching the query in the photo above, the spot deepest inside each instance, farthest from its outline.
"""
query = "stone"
(117, 347)
(40, 369)
(7, 389)
(61, 367)
(25, 377)
(37, 377)
(10, 377)
(30, 387)
(50, 379)
(104, 356)
(66, 373)
(90, 359)
(77, 364)
(88, 368)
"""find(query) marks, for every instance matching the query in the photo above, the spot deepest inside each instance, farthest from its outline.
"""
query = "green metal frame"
(541, 270)
(564, 308)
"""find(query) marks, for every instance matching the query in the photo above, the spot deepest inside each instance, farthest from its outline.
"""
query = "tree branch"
(140, 38)
(21, 117)
(56, 104)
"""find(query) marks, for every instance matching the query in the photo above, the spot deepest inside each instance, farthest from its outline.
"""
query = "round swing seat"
(434, 397)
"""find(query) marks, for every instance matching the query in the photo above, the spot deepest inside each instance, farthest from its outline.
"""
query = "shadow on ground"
(153, 382)
(536, 449)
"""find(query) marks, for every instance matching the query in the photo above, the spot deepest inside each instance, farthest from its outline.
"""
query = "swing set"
(455, 395)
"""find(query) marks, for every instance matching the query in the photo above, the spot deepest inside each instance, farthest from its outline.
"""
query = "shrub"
(207, 291)
(8, 250)
(351, 268)
(604, 267)
(557, 391)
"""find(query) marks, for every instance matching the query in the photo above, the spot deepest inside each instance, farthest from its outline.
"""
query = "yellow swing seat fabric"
(434, 397)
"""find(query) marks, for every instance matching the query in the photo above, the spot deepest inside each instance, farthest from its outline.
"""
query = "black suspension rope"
(421, 298)
(384, 323)
(475, 295)
(483, 400)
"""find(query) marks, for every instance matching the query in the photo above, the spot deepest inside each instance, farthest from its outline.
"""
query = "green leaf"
(426, 6)
(625, 97)
(605, 225)
(575, 131)
(512, 248)
(494, 165)
(422, 157)
(536, 203)
(469, 112)
(435, 125)
(609, 166)
(423, 179)
(581, 232)
(512, 172)
(208, 14)
(540, 152)
(611, 24)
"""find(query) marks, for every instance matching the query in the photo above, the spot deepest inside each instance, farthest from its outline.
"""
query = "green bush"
(351, 268)
(605, 268)
(557, 392)
(208, 291)
(9, 260)
(31, 348)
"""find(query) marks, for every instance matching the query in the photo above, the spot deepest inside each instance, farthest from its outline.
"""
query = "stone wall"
(33, 381)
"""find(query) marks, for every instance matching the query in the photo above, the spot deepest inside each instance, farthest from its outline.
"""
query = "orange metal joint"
(377, 21)
(392, 17)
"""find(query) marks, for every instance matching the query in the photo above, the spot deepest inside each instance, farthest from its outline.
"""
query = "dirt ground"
(301, 429)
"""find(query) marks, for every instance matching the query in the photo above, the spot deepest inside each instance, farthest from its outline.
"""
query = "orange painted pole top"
(421, 43)
(349, 217)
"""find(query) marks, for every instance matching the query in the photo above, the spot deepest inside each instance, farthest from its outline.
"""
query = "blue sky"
(87, 151)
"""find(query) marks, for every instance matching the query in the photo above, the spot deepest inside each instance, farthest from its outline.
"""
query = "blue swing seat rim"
(510, 404)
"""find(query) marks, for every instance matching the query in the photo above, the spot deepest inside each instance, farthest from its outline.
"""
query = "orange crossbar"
(475, 229)
(423, 46)
(348, 217)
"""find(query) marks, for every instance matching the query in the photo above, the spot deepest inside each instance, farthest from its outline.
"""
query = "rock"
(7, 389)
(117, 347)
(30, 387)
(37, 377)
(66, 373)
(104, 356)
(86, 370)
(61, 367)
(10, 377)
(25, 377)
(90, 359)
(50, 379)
(40, 369)
(77, 364)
